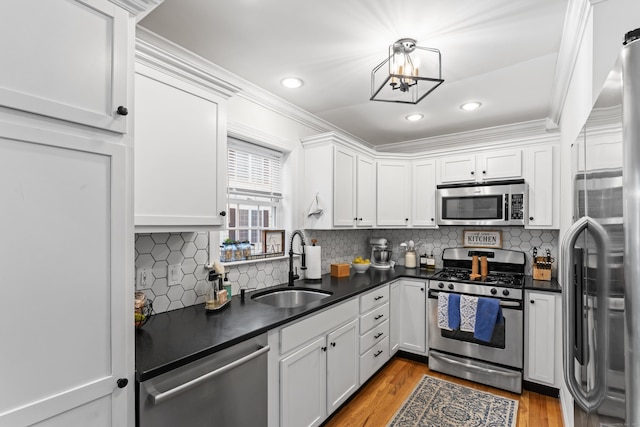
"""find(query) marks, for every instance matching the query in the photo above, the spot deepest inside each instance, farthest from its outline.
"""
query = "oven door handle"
(157, 397)
(586, 399)
(505, 304)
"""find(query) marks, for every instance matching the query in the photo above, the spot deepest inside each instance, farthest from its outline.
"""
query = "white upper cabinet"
(66, 60)
(539, 173)
(344, 189)
(354, 197)
(458, 169)
(394, 193)
(340, 186)
(423, 200)
(366, 192)
(485, 166)
(180, 154)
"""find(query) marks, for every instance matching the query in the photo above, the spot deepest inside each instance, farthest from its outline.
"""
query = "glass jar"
(246, 250)
(228, 252)
(237, 251)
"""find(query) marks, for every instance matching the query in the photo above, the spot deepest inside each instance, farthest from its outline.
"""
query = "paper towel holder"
(306, 279)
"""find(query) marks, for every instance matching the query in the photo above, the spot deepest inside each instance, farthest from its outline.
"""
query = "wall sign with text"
(482, 239)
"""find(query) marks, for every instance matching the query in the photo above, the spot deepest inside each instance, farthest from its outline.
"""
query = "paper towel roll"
(314, 262)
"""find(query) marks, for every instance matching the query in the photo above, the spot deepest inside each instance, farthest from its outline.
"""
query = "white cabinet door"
(423, 201)
(394, 318)
(180, 154)
(458, 169)
(393, 193)
(540, 321)
(413, 316)
(539, 175)
(66, 60)
(303, 385)
(65, 316)
(342, 364)
(486, 166)
(344, 187)
(502, 164)
(366, 192)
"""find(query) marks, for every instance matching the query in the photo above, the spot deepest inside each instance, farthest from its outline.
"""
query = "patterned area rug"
(439, 403)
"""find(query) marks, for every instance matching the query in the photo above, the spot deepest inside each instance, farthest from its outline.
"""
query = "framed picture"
(482, 239)
(273, 241)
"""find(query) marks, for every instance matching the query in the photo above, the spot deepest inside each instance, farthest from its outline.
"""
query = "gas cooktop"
(507, 280)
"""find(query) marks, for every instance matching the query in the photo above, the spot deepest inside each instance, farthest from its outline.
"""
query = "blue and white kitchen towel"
(489, 314)
(468, 311)
(448, 311)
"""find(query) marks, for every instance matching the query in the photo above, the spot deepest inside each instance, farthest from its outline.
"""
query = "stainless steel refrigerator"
(601, 255)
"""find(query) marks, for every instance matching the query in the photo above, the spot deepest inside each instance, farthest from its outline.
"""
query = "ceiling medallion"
(408, 74)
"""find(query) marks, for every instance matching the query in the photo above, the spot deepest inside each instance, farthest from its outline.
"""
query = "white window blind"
(254, 170)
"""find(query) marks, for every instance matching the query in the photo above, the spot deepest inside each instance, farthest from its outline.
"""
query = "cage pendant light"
(409, 73)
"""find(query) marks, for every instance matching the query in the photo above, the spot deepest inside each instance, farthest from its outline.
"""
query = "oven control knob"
(441, 285)
(494, 291)
(450, 286)
(505, 292)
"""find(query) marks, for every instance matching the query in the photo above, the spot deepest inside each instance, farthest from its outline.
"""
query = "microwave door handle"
(506, 207)
(587, 400)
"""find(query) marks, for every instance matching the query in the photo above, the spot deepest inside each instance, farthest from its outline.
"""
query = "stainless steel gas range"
(497, 362)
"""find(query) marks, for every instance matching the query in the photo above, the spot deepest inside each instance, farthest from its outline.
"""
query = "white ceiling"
(499, 52)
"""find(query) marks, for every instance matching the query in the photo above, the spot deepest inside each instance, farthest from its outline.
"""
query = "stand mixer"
(380, 253)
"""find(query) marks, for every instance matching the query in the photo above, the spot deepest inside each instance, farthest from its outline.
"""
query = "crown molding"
(575, 24)
(137, 8)
(494, 137)
(153, 48)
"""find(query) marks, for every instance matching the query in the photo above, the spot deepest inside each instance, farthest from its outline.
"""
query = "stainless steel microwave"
(496, 203)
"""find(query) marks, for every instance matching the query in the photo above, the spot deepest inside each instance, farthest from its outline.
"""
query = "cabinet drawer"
(374, 298)
(317, 324)
(374, 318)
(373, 359)
(374, 336)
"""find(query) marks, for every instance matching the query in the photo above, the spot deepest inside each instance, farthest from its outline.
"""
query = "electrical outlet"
(174, 274)
(144, 278)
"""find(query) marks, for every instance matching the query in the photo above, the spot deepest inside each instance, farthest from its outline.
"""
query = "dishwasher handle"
(157, 397)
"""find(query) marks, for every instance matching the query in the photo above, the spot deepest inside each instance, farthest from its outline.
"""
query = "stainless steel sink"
(290, 297)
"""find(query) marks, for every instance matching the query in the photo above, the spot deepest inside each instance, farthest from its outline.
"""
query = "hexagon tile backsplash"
(191, 251)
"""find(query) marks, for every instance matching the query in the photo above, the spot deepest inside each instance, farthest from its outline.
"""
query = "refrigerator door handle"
(586, 399)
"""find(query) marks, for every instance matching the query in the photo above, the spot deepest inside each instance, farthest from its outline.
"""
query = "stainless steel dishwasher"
(225, 389)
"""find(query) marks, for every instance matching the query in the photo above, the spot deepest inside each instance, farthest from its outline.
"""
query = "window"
(254, 192)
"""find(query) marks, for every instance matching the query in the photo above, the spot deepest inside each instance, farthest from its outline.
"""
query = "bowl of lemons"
(360, 265)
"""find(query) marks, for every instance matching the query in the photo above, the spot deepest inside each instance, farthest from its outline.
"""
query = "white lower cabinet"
(303, 379)
(412, 319)
(315, 378)
(342, 364)
(394, 313)
(542, 342)
(374, 331)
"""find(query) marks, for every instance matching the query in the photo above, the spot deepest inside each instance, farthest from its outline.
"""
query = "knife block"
(542, 268)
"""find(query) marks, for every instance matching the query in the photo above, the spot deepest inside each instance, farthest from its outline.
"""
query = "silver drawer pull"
(157, 398)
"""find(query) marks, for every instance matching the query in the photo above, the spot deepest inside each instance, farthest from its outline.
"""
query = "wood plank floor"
(377, 402)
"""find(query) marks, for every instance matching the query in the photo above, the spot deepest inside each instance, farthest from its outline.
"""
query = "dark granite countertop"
(541, 285)
(175, 338)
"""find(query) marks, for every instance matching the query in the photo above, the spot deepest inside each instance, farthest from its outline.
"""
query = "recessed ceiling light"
(414, 117)
(291, 82)
(470, 106)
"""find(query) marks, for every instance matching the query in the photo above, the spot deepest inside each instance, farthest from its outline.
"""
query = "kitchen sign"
(482, 239)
